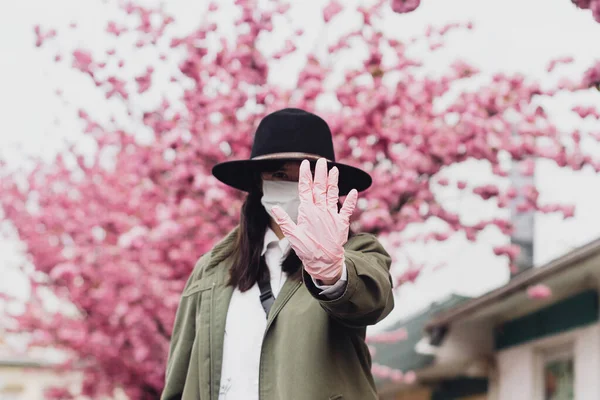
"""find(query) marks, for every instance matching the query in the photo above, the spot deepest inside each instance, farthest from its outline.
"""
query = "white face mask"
(283, 194)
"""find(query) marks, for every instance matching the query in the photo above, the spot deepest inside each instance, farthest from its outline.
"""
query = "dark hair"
(248, 264)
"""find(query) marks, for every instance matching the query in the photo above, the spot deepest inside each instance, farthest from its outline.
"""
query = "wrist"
(331, 281)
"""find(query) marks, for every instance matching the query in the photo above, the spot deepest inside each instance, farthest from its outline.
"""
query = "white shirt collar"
(271, 237)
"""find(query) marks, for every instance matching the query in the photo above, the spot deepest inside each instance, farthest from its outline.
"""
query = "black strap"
(266, 294)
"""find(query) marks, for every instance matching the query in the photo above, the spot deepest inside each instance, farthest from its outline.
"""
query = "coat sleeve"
(182, 340)
(368, 297)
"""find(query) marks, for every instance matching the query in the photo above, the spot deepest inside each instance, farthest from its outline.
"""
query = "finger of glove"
(349, 205)
(305, 183)
(284, 221)
(333, 189)
(320, 183)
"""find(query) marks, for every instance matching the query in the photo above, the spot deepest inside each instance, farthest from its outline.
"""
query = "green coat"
(313, 348)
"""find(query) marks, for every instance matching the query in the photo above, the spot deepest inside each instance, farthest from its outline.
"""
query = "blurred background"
(477, 119)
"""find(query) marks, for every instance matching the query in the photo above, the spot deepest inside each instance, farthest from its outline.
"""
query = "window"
(558, 378)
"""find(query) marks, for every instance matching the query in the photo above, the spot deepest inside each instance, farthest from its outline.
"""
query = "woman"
(278, 309)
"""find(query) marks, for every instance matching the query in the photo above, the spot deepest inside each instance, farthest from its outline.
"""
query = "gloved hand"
(321, 231)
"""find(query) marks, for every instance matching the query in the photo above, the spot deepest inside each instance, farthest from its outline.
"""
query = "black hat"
(287, 135)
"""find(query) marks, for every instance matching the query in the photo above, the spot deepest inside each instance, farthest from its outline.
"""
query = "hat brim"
(240, 174)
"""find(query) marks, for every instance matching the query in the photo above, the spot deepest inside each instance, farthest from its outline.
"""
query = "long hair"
(248, 264)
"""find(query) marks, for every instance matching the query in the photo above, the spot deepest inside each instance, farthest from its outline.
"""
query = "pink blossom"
(388, 337)
(57, 393)
(568, 211)
(331, 10)
(464, 70)
(582, 3)
(405, 6)
(410, 275)
(591, 77)
(116, 86)
(527, 167)
(41, 37)
(410, 377)
(396, 376)
(112, 28)
(595, 7)
(557, 61)
(144, 81)
(64, 271)
(583, 111)
(539, 292)
(487, 191)
(82, 60)
(511, 251)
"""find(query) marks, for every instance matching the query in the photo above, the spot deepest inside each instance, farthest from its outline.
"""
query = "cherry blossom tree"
(113, 234)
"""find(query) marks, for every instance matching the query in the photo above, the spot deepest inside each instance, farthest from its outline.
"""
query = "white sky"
(510, 35)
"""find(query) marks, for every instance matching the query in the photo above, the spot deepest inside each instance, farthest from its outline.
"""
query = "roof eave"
(517, 284)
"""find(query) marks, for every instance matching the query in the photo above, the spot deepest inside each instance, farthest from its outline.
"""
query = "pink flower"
(410, 275)
(591, 77)
(82, 60)
(388, 337)
(145, 80)
(568, 211)
(396, 376)
(585, 111)
(487, 191)
(582, 3)
(41, 37)
(595, 7)
(405, 6)
(562, 60)
(511, 251)
(410, 377)
(539, 292)
(527, 167)
(113, 29)
(331, 10)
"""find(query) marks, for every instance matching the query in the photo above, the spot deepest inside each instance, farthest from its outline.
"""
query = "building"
(26, 378)
(27, 375)
(506, 345)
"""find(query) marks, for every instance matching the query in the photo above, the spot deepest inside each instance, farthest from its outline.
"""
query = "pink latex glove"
(321, 232)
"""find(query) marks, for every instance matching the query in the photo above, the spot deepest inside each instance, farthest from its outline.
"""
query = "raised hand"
(321, 231)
